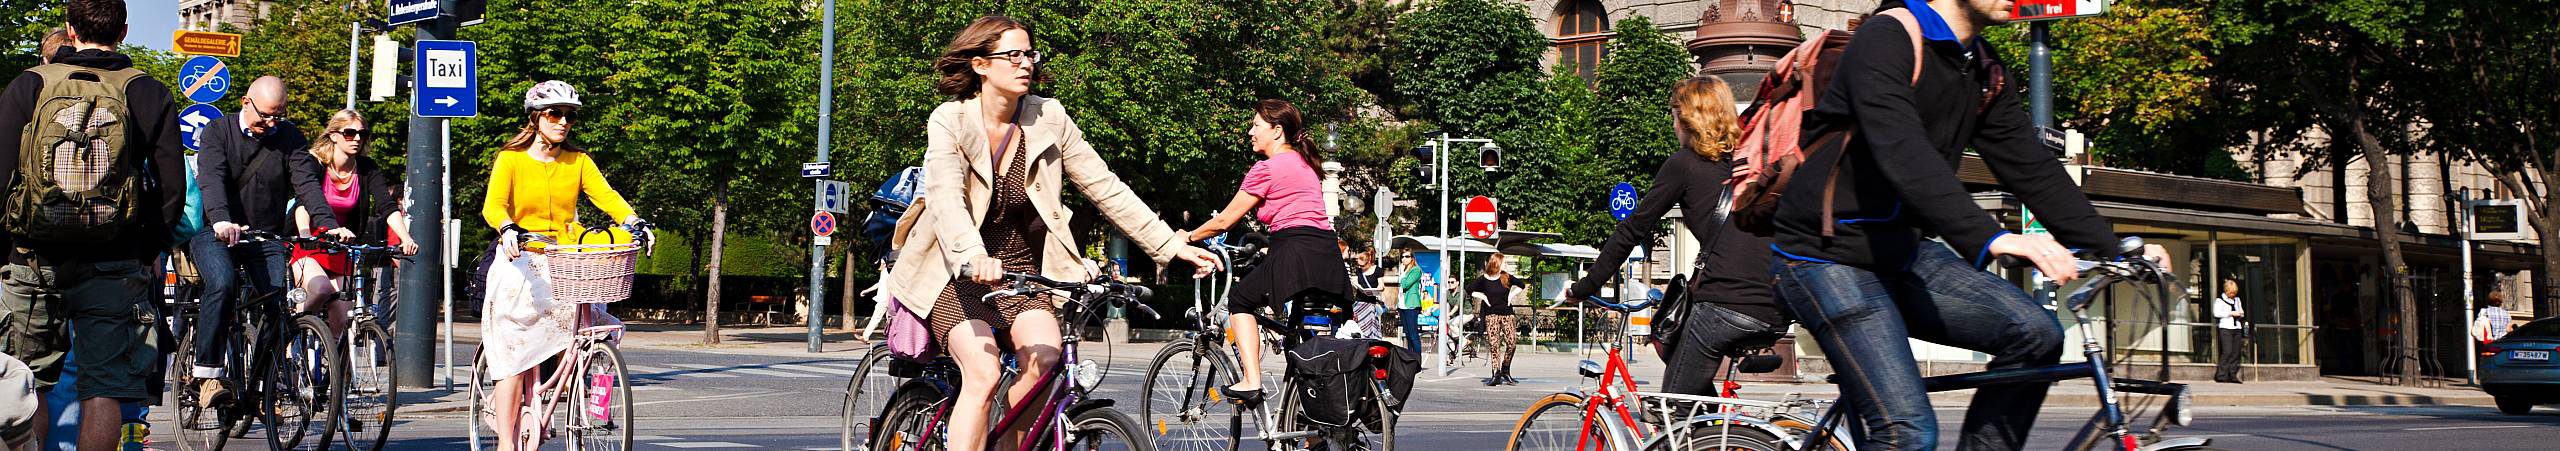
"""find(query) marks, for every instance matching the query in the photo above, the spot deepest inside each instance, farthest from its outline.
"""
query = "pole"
(355, 31)
(452, 233)
(1440, 173)
(2040, 74)
(2470, 319)
(826, 104)
(416, 331)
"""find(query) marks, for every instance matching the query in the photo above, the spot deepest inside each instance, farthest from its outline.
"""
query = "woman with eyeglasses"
(534, 186)
(360, 201)
(996, 159)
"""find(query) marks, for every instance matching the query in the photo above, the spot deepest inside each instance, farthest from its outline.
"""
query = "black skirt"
(1303, 262)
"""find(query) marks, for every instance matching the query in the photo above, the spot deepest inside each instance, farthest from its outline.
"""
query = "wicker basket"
(597, 273)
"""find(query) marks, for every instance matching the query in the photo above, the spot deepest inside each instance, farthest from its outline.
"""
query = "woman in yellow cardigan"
(533, 188)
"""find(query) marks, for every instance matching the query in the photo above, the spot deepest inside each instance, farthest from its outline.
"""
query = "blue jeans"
(1863, 318)
(265, 263)
(1411, 321)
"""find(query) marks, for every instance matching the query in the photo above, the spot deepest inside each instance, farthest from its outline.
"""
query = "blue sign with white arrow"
(204, 79)
(195, 121)
(1622, 201)
(448, 79)
(406, 11)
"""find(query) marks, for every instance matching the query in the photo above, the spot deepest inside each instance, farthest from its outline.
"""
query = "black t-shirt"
(1497, 295)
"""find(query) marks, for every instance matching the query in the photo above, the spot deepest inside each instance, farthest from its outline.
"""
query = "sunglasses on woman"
(564, 114)
(350, 134)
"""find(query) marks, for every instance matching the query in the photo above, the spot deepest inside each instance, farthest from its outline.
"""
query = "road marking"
(812, 369)
(2448, 428)
(705, 445)
(735, 369)
(668, 373)
(651, 438)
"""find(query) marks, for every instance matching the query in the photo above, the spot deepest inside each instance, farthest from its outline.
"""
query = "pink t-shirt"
(342, 200)
(1292, 195)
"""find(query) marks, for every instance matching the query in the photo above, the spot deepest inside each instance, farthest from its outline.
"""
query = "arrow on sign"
(192, 121)
(447, 101)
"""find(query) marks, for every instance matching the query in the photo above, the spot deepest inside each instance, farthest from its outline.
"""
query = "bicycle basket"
(594, 273)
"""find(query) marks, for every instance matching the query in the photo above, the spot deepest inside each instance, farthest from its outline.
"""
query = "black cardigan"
(1901, 182)
(1737, 262)
(379, 198)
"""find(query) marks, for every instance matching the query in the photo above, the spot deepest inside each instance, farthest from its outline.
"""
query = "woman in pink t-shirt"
(1303, 264)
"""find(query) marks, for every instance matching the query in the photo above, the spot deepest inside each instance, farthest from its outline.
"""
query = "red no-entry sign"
(1480, 217)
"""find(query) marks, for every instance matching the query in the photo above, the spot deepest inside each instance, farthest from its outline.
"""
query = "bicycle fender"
(1746, 421)
(1088, 404)
(2178, 444)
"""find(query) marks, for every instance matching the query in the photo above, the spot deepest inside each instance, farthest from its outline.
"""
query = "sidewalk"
(1539, 370)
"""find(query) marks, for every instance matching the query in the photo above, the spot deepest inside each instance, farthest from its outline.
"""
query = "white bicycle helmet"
(550, 94)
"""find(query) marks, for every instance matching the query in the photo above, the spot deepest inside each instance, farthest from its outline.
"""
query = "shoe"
(1727, 333)
(1508, 380)
(210, 393)
(1492, 381)
(1241, 397)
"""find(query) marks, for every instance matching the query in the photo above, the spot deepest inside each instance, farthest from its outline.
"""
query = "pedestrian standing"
(1411, 288)
(2229, 333)
(1493, 295)
(2493, 321)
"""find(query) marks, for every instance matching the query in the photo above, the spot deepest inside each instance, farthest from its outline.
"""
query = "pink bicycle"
(590, 372)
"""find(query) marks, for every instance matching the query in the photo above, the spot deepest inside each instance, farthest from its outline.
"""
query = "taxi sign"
(205, 43)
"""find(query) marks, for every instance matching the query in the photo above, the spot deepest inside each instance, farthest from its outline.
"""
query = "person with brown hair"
(54, 41)
(996, 159)
(1305, 257)
(1492, 295)
(1731, 307)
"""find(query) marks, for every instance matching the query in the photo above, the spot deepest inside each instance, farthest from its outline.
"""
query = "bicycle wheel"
(483, 435)
(908, 423)
(601, 417)
(1553, 423)
(372, 388)
(1382, 427)
(1716, 436)
(199, 428)
(1106, 430)
(864, 396)
(302, 402)
(1802, 428)
(1182, 406)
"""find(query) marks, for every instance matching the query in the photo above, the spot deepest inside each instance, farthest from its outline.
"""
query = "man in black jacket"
(247, 171)
(100, 289)
(1867, 283)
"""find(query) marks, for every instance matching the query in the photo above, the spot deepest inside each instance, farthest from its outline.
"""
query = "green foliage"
(1634, 89)
(1560, 183)
(305, 44)
(2140, 81)
(1467, 64)
(23, 24)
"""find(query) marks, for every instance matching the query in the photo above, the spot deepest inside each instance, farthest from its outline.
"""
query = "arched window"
(1582, 28)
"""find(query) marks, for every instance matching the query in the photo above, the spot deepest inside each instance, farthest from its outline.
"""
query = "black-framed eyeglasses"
(351, 134)
(563, 114)
(1023, 57)
(265, 117)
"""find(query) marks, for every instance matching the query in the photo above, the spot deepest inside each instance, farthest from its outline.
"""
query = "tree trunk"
(848, 292)
(2546, 228)
(2379, 190)
(719, 235)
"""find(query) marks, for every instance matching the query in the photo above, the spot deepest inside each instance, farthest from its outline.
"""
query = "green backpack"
(75, 182)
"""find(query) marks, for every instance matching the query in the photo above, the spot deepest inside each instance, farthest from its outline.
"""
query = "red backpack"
(1769, 155)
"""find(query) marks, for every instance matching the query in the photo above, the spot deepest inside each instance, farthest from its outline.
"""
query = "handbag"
(908, 337)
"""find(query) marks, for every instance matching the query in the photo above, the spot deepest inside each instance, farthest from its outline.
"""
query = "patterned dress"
(1012, 233)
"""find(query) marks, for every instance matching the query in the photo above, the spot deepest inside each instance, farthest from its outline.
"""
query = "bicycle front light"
(2181, 408)
(1088, 374)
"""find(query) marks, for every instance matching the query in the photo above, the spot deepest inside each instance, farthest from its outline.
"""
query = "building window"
(1582, 29)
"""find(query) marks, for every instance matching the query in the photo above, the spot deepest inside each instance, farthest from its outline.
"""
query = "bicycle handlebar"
(1081, 292)
(1626, 307)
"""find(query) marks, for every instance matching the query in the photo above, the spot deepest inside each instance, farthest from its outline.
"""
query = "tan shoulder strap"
(1919, 44)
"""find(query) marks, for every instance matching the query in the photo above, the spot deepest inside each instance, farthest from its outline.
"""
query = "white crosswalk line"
(669, 373)
(705, 445)
(737, 369)
(813, 369)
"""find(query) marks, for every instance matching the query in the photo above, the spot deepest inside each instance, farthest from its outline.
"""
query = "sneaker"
(210, 392)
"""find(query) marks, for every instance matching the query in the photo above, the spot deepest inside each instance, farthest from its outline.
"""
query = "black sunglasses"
(565, 114)
(351, 134)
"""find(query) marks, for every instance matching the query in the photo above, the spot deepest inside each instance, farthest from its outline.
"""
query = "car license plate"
(2536, 356)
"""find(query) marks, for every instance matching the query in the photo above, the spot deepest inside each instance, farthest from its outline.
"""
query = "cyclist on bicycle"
(247, 177)
(1304, 263)
(994, 163)
(533, 188)
(1739, 311)
(360, 200)
(1869, 282)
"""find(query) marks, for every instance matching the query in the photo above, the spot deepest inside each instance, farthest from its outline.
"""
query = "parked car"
(2519, 370)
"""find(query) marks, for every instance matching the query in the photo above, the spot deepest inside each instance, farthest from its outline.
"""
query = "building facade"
(2299, 240)
(211, 15)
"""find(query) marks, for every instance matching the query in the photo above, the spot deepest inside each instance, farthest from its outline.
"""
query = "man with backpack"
(94, 185)
(1912, 90)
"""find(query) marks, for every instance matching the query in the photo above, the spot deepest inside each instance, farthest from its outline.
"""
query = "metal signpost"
(818, 243)
(448, 81)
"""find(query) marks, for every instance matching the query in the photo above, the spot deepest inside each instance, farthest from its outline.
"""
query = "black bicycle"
(1182, 401)
(279, 366)
(1736, 424)
(371, 387)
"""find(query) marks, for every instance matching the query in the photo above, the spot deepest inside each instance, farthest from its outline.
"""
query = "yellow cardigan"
(543, 197)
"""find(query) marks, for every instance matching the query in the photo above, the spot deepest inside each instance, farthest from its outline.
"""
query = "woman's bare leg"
(973, 346)
(1248, 340)
(1037, 344)
(508, 398)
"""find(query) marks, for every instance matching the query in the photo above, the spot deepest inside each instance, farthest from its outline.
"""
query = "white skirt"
(520, 325)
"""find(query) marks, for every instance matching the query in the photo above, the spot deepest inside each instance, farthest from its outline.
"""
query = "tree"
(1634, 89)
(2140, 81)
(1470, 68)
(2483, 110)
(23, 24)
(305, 44)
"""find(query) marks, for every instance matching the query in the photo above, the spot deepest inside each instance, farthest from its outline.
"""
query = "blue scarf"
(1932, 26)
